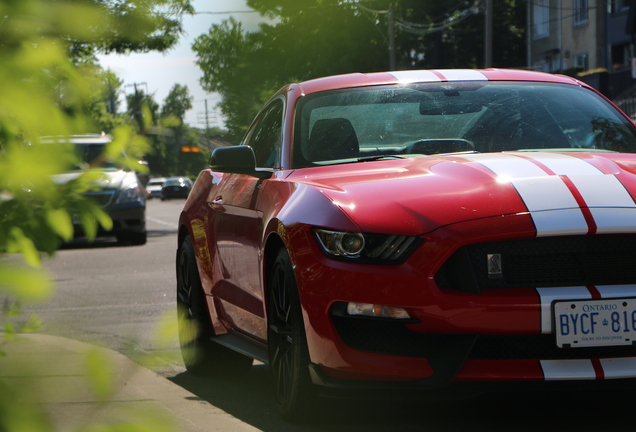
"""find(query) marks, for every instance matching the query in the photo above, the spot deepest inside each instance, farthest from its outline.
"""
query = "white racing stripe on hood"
(544, 192)
(611, 205)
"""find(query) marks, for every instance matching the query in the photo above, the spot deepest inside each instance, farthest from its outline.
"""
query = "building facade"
(593, 38)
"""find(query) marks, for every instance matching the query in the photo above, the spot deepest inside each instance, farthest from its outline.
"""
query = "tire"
(200, 355)
(287, 343)
(133, 239)
(138, 239)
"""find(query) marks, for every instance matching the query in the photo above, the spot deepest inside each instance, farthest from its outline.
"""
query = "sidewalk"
(54, 370)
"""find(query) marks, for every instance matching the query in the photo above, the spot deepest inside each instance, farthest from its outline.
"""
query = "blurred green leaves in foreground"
(50, 84)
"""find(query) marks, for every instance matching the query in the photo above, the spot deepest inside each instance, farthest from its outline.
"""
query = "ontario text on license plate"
(588, 323)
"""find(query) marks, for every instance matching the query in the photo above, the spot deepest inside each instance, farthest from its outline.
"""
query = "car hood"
(108, 180)
(565, 193)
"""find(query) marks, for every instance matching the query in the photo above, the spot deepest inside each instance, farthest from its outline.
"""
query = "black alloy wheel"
(287, 343)
(200, 355)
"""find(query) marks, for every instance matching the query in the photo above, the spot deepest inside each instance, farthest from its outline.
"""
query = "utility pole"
(206, 117)
(112, 99)
(488, 35)
(137, 103)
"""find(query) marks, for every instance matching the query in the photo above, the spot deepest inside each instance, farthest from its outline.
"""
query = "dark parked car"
(438, 232)
(119, 191)
(176, 187)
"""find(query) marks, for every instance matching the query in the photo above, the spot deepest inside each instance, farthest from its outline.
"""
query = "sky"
(157, 73)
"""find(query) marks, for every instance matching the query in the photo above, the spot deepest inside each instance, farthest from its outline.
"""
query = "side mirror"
(238, 160)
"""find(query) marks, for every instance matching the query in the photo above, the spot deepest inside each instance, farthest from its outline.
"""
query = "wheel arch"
(272, 246)
(185, 231)
(181, 235)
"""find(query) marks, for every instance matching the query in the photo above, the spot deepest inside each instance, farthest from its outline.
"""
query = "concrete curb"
(54, 370)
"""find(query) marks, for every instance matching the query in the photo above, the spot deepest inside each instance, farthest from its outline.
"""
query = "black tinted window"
(266, 136)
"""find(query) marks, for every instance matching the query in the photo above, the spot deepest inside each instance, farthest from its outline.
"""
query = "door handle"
(217, 204)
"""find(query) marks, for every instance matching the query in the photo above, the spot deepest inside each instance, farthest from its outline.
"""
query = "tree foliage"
(177, 103)
(129, 26)
(460, 45)
(227, 57)
(142, 109)
(46, 93)
(167, 132)
(104, 107)
(307, 39)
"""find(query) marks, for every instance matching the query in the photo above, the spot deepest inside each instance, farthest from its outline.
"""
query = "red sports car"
(442, 232)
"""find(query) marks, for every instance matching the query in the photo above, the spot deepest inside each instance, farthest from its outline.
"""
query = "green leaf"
(102, 217)
(20, 243)
(60, 221)
(25, 284)
(89, 224)
(9, 331)
(32, 325)
(11, 309)
(99, 374)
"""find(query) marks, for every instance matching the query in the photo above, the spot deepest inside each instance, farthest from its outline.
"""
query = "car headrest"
(332, 139)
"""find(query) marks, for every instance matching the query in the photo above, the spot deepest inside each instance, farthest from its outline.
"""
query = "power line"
(427, 28)
(224, 13)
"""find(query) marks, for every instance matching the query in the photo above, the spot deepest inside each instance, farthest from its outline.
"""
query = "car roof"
(416, 76)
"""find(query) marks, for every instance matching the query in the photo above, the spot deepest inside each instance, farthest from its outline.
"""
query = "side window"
(266, 136)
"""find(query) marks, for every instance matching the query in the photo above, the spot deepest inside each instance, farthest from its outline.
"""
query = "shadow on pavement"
(248, 398)
(111, 242)
(98, 243)
(162, 233)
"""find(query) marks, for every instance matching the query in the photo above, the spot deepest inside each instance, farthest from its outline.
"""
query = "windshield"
(177, 182)
(92, 155)
(433, 118)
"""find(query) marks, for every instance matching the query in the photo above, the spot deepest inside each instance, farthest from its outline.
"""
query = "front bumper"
(409, 390)
(497, 334)
(128, 217)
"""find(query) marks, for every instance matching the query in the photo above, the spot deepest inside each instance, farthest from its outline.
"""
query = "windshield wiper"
(379, 157)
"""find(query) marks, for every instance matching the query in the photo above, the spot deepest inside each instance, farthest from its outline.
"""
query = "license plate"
(589, 323)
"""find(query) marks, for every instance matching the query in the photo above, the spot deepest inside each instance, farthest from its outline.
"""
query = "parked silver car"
(119, 191)
(153, 188)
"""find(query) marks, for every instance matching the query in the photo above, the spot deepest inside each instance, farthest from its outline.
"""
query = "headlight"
(365, 247)
(132, 193)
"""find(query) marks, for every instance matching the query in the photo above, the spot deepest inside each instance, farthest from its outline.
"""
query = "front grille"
(543, 262)
(103, 198)
(395, 338)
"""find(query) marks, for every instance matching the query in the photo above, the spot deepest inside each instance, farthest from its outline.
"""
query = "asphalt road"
(122, 297)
